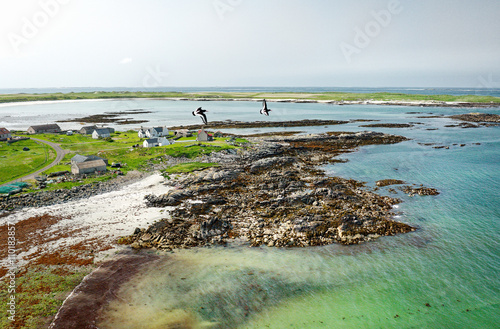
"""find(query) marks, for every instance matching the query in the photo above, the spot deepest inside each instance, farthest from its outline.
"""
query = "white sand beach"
(100, 219)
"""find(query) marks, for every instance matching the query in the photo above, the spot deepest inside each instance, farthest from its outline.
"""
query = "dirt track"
(60, 153)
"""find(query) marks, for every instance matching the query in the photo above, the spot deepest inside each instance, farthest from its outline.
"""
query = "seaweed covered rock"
(273, 195)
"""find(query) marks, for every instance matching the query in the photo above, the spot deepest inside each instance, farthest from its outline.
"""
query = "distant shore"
(335, 98)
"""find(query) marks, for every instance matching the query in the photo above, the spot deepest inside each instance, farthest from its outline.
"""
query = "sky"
(217, 43)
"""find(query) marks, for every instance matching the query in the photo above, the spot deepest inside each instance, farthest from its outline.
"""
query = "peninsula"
(340, 98)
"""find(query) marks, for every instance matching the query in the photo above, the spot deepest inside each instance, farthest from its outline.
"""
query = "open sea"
(444, 275)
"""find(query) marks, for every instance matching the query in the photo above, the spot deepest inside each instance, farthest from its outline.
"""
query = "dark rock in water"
(388, 125)
(387, 182)
(411, 191)
(477, 117)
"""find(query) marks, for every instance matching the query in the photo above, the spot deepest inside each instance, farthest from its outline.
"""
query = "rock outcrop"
(274, 195)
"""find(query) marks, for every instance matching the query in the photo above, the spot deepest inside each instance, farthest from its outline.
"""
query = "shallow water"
(444, 275)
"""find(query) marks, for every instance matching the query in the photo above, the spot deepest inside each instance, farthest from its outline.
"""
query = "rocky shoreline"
(49, 198)
(273, 194)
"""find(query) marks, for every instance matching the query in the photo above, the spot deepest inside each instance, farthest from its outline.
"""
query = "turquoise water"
(444, 275)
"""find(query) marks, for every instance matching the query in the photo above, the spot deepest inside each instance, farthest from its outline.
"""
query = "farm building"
(182, 133)
(86, 158)
(88, 167)
(101, 133)
(203, 136)
(153, 142)
(5, 134)
(87, 130)
(41, 129)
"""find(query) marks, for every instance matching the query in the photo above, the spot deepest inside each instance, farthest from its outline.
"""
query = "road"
(60, 153)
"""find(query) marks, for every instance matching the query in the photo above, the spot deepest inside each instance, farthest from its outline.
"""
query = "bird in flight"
(201, 112)
(264, 109)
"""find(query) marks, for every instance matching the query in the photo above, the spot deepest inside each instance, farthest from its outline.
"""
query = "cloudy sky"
(344, 43)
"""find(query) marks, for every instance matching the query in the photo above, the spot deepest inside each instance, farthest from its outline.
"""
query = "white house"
(156, 132)
(142, 133)
(101, 133)
(153, 142)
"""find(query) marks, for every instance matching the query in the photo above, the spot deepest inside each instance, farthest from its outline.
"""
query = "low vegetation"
(23, 157)
(40, 291)
(333, 96)
(189, 167)
(121, 148)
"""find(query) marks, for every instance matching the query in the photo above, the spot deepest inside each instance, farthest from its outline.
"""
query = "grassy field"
(326, 96)
(189, 167)
(15, 163)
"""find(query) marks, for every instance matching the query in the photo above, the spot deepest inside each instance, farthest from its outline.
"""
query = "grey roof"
(158, 129)
(85, 158)
(78, 158)
(102, 131)
(44, 127)
(94, 157)
(91, 164)
(152, 140)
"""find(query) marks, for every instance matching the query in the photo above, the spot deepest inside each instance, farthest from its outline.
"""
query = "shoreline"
(82, 233)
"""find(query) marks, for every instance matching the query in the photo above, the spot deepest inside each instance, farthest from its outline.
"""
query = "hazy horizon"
(239, 43)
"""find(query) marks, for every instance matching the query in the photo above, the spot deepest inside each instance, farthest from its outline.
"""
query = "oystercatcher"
(201, 112)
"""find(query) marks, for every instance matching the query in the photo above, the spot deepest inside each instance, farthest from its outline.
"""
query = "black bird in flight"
(264, 109)
(201, 112)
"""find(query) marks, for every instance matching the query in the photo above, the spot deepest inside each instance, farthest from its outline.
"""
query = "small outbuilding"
(203, 136)
(182, 133)
(88, 167)
(5, 134)
(86, 158)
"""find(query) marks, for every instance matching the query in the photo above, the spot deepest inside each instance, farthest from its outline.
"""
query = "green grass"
(138, 159)
(120, 150)
(39, 293)
(15, 163)
(189, 167)
(333, 96)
